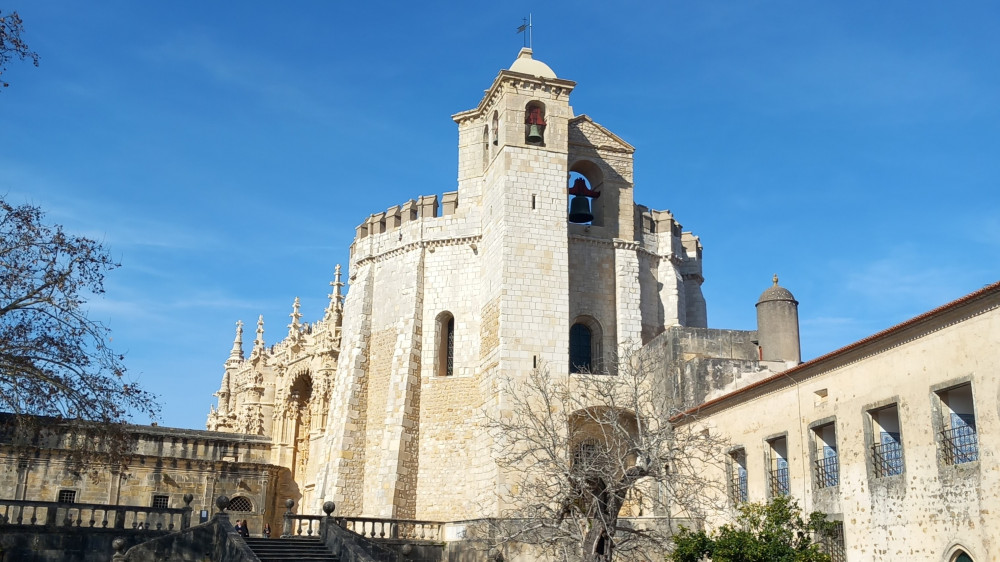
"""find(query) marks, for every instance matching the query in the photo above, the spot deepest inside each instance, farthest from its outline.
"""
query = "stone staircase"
(284, 550)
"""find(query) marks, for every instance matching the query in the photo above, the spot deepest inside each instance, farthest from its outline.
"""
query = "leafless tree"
(56, 365)
(11, 43)
(599, 471)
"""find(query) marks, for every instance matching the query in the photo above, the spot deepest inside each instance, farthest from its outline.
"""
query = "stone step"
(285, 550)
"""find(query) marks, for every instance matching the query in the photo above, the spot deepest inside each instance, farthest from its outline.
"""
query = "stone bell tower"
(513, 159)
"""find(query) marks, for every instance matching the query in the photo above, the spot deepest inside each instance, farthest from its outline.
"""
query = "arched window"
(534, 123)
(496, 128)
(585, 346)
(580, 349)
(963, 557)
(240, 503)
(486, 146)
(445, 344)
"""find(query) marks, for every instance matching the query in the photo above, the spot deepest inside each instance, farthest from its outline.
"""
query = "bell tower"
(513, 161)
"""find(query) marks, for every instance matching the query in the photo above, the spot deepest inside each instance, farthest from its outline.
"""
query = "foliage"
(589, 451)
(11, 44)
(772, 532)
(55, 362)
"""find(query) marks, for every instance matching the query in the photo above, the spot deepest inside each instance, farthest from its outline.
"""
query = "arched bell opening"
(534, 123)
(585, 182)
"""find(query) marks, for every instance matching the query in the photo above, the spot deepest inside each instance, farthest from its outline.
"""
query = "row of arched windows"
(584, 345)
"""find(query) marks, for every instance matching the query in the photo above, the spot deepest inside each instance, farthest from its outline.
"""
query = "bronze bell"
(579, 209)
(534, 134)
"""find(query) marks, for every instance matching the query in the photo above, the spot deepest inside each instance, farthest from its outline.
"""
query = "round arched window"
(240, 503)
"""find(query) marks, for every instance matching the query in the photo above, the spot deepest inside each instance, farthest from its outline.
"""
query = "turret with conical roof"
(778, 325)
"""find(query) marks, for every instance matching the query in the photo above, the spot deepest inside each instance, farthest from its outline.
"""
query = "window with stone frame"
(887, 441)
(240, 503)
(161, 502)
(445, 344)
(67, 496)
(827, 465)
(738, 475)
(832, 542)
(959, 440)
(777, 449)
(580, 348)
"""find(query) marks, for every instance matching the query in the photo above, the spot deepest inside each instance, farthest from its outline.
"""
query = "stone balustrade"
(93, 515)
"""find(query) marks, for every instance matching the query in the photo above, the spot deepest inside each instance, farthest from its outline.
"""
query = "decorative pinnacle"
(237, 352)
(336, 297)
(775, 279)
(259, 342)
(293, 328)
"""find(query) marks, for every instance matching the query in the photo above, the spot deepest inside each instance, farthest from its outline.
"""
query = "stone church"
(541, 256)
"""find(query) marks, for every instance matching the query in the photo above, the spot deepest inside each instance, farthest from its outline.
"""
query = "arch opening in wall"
(486, 147)
(444, 344)
(590, 196)
(241, 504)
(534, 123)
(960, 556)
(496, 128)
(585, 354)
(603, 442)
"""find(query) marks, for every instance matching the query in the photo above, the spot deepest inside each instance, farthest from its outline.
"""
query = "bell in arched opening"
(579, 209)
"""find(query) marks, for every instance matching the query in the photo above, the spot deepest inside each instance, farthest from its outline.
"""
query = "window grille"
(738, 477)
(161, 502)
(779, 479)
(960, 444)
(67, 496)
(240, 503)
(827, 472)
(450, 359)
(887, 456)
(833, 542)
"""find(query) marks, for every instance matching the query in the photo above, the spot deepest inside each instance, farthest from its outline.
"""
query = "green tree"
(772, 532)
(11, 44)
(60, 382)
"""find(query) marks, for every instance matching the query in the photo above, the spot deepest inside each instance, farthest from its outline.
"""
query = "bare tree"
(11, 44)
(55, 362)
(600, 473)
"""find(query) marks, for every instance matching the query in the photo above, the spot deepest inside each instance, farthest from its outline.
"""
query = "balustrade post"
(50, 515)
(120, 517)
(286, 528)
(327, 522)
(119, 545)
(186, 516)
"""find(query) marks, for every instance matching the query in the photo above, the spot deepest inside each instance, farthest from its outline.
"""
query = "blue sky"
(224, 152)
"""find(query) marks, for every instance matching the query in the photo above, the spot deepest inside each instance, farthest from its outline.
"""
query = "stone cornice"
(430, 245)
(517, 81)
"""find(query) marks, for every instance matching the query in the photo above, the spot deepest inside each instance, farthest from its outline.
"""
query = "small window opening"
(445, 344)
(778, 469)
(496, 128)
(240, 503)
(887, 446)
(532, 202)
(832, 541)
(161, 502)
(959, 438)
(580, 348)
(67, 496)
(738, 476)
(827, 463)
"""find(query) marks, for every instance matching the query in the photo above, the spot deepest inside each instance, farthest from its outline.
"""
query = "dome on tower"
(527, 65)
(776, 293)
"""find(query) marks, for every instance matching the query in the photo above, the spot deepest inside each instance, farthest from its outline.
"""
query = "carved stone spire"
(259, 340)
(294, 327)
(237, 351)
(336, 306)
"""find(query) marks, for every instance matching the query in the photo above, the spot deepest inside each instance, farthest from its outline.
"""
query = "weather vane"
(526, 26)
